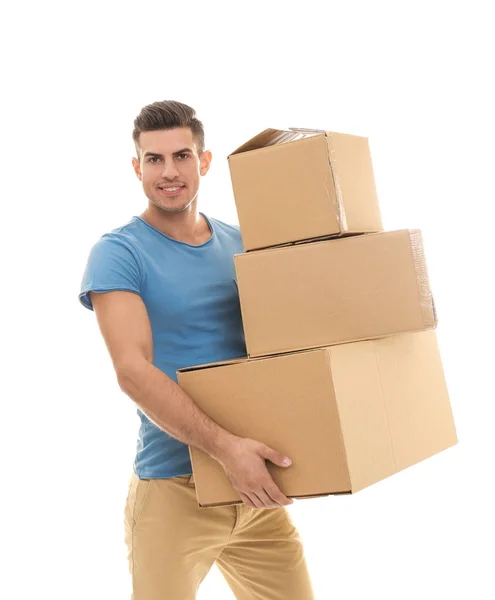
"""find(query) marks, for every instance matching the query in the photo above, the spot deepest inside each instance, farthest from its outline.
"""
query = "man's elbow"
(130, 372)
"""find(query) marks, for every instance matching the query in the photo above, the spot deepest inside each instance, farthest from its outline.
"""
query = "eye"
(153, 158)
(183, 155)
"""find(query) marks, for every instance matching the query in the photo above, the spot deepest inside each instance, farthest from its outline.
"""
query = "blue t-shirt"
(191, 296)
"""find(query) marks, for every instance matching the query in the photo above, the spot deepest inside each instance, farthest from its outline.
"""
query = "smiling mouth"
(171, 190)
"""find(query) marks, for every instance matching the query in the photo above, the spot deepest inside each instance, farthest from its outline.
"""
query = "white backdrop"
(414, 79)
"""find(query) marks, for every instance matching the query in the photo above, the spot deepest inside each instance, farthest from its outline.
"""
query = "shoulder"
(130, 233)
(121, 243)
(124, 237)
(113, 264)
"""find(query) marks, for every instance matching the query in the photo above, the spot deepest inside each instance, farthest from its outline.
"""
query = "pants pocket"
(137, 498)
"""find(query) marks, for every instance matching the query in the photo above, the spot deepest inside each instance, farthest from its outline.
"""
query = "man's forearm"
(172, 410)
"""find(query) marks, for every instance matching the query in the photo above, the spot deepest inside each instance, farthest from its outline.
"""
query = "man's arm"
(125, 326)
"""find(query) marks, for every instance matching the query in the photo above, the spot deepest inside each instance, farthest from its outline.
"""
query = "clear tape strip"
(339, 208)
(426, 297)
(278, 138)
(340, 212)
(307, 132)
(285, 136)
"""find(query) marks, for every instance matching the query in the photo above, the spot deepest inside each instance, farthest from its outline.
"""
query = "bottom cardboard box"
(348, 415)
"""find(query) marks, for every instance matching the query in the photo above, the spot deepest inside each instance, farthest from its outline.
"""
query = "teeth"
(171, 189)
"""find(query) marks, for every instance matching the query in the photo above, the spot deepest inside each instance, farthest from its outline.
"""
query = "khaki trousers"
(172, 544)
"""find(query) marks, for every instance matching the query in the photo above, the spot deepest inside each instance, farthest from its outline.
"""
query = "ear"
(204, 162)
(137, 168)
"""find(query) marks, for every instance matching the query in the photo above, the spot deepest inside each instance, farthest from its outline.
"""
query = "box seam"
(328, 360)
(385, 406)
(339, 208)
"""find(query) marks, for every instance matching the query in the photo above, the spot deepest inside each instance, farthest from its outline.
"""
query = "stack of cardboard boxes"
(343, 372)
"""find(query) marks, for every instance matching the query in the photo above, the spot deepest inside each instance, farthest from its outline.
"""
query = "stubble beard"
(168, 209)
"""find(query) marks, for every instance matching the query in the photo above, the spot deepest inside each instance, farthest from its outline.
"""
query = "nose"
(170, 170)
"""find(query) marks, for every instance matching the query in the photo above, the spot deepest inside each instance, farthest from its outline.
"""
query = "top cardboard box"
(303, 184)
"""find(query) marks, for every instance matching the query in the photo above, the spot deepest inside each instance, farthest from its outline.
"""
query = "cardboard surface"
(334, 291)
(303, 184)
(348, 415)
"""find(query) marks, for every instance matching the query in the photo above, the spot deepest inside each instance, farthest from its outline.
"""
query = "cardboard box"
(303, 184)
(348, 416)
(334, 291)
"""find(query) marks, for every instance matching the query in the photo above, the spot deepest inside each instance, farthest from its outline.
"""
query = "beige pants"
(172, 544)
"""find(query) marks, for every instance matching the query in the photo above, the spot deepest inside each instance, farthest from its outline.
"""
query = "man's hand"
(244, 465)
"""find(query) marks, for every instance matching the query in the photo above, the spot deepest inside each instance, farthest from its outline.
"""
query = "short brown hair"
(168, 114)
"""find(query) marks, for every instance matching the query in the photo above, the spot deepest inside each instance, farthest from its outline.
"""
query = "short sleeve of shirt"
(112, 265)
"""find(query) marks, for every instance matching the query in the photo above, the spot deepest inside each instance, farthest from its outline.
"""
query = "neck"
(187, 226)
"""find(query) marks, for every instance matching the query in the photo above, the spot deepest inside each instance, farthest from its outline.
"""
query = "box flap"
(270, 137)
(232, 361)
(362, 412)
(305, 497)
(314, 241)
(242, 359)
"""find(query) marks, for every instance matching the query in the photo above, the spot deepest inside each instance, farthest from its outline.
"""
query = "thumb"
(275, 457)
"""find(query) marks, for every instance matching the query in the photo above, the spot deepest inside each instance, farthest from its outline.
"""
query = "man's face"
(170, 167)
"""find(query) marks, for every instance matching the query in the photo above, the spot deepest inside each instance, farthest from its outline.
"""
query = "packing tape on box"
(339, 208)
(336, 200)
(426, 297)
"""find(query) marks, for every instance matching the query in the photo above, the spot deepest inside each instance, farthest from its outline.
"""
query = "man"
(163, 290)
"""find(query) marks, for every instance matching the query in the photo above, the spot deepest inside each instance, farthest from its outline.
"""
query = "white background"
(416, 80)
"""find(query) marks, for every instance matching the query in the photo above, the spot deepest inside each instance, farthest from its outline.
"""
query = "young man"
(163, 290)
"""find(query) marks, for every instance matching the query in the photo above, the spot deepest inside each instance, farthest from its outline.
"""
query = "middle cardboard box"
(322, 293)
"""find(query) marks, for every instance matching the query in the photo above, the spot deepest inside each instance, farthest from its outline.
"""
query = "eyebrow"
(161, 155)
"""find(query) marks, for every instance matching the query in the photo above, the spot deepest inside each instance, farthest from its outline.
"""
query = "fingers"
(269, 500)
(261, 499)
(275, 457)
(246, 499)
(256, 499)
(273, 491)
